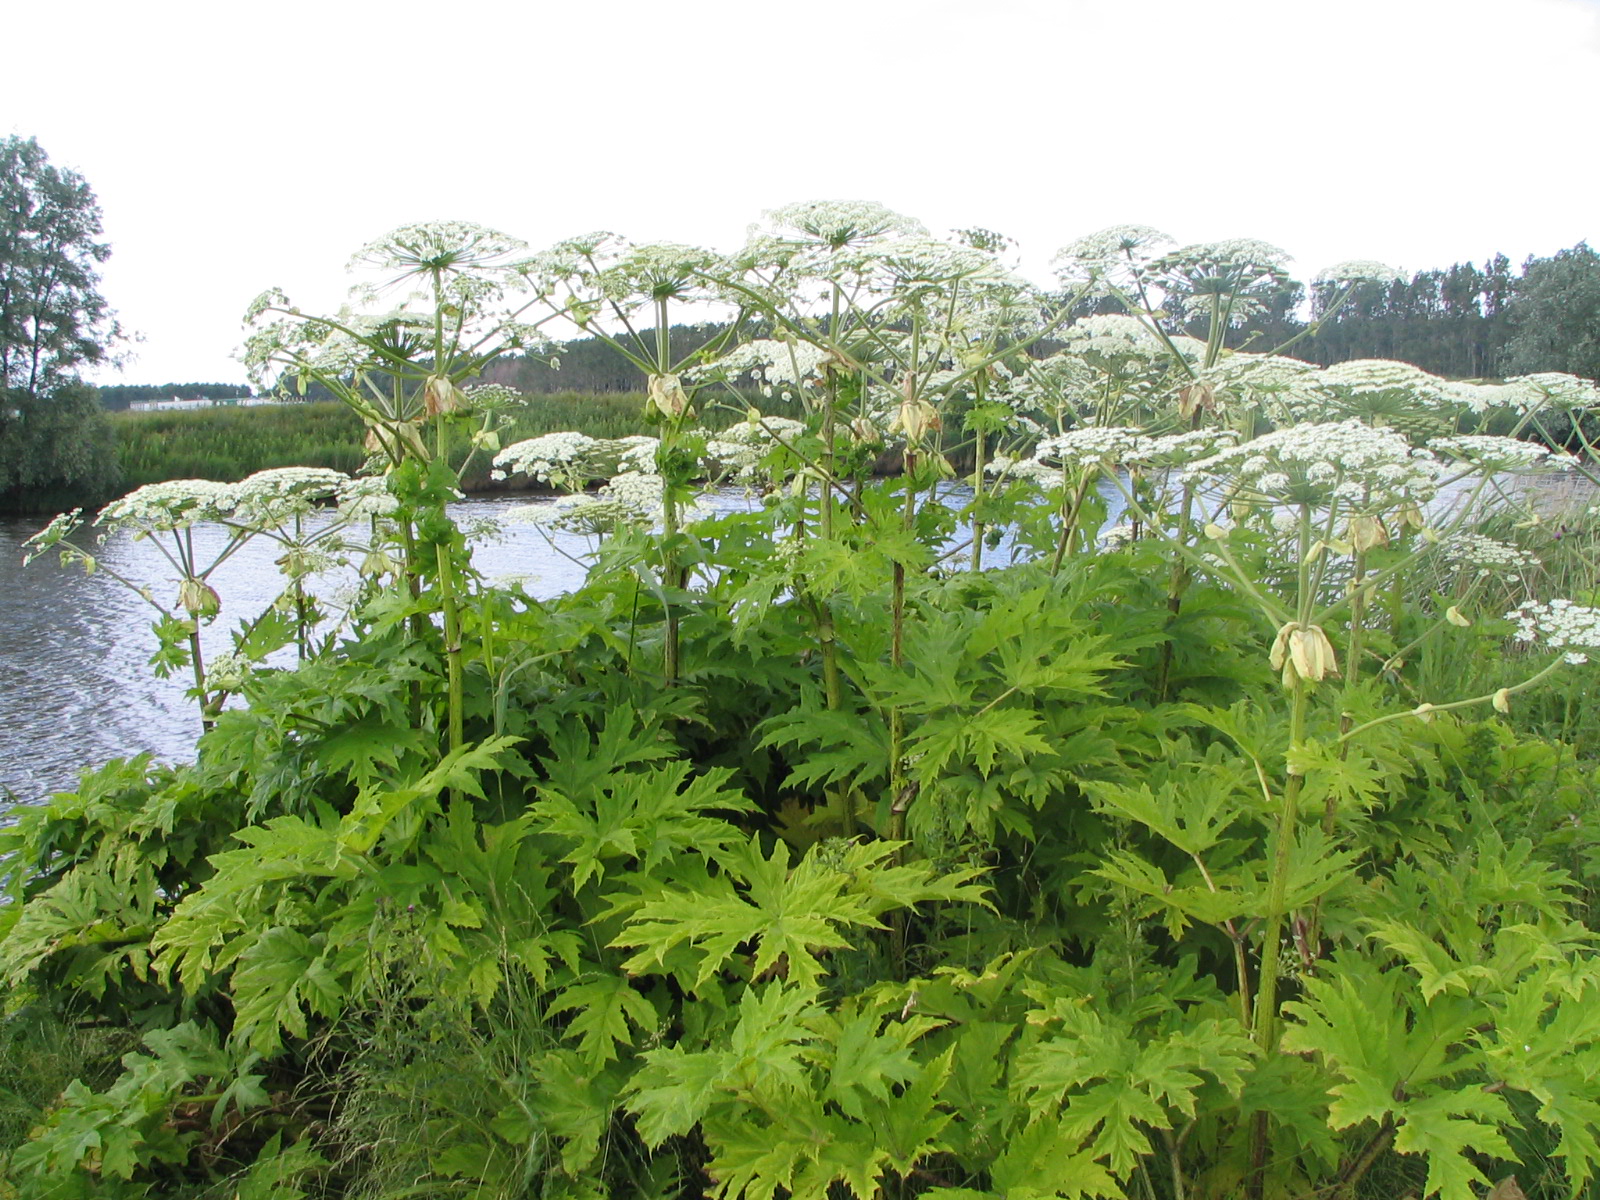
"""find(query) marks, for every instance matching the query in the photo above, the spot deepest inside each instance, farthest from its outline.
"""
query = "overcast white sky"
(238, 145)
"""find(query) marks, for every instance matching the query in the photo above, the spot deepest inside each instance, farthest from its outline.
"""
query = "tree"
(53, 320)
(56, 447)
(1555, 315)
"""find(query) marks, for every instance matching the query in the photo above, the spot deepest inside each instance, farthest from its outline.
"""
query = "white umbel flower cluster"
(559, 458)
(1269, 381)
(637, 452)
(1003, 466)
(1110, 257)
(1385, 379)
(273, 496)
(1500, 453)
(1559, 390)
(173, 504)
(1480, 398)
(1485, 556)
(366, 498)
(775, 365)
(740, 449)
(843, 222)
(448, 246)
(1358, 270)
(1574, 629)
(1179, 449)
(1318, 464)
(1091, 446)
(631, 498)
(1112, 335)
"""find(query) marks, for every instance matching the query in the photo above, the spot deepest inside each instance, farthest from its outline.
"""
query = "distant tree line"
(116, 397)
(1463, 322)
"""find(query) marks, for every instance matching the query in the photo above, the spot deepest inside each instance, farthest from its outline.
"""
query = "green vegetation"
(857, 846)
(227, 444)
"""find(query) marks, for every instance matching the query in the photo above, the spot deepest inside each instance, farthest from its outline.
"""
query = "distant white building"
(198, 402)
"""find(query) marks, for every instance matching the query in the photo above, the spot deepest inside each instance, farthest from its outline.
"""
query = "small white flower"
(1358, 270)
(1559, 625)
(1371, 469)
(1092, 446)
(174, 504)
(1500, 453)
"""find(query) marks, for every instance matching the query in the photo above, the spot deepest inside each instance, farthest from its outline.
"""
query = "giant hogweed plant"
(311, 514)
(402, 370)
(961, 906)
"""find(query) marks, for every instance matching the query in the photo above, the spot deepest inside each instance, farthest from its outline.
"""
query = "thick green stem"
(1071, 515)
(1266, 1016)
(452, 643)
(208, 719)
(1177, 581)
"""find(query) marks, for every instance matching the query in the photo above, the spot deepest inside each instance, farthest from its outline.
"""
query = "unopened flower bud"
(439, 395)
(667, 396)
(1502, 700)
(1455, 617)
(199, 599)
(1367, 532)
(1217, 533)
(377, 563)
(1196, 397)
(916, 418)
(1302, 653)
(866, 432)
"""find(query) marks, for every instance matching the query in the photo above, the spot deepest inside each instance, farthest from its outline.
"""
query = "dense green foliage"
(53, 321)
(230, 443)
(55, 446)
(1556, 316)
(1195, 857)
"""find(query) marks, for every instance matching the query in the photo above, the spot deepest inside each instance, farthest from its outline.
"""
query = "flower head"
(1500, 453)
(1359, 270)
(1561, 625)
(1485, 556)
(447, 246)
(839, 223)
(174, 504)
(566, 459)
(1092, 446)
(1111, 257)
(270, 497)
(1365, 468)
